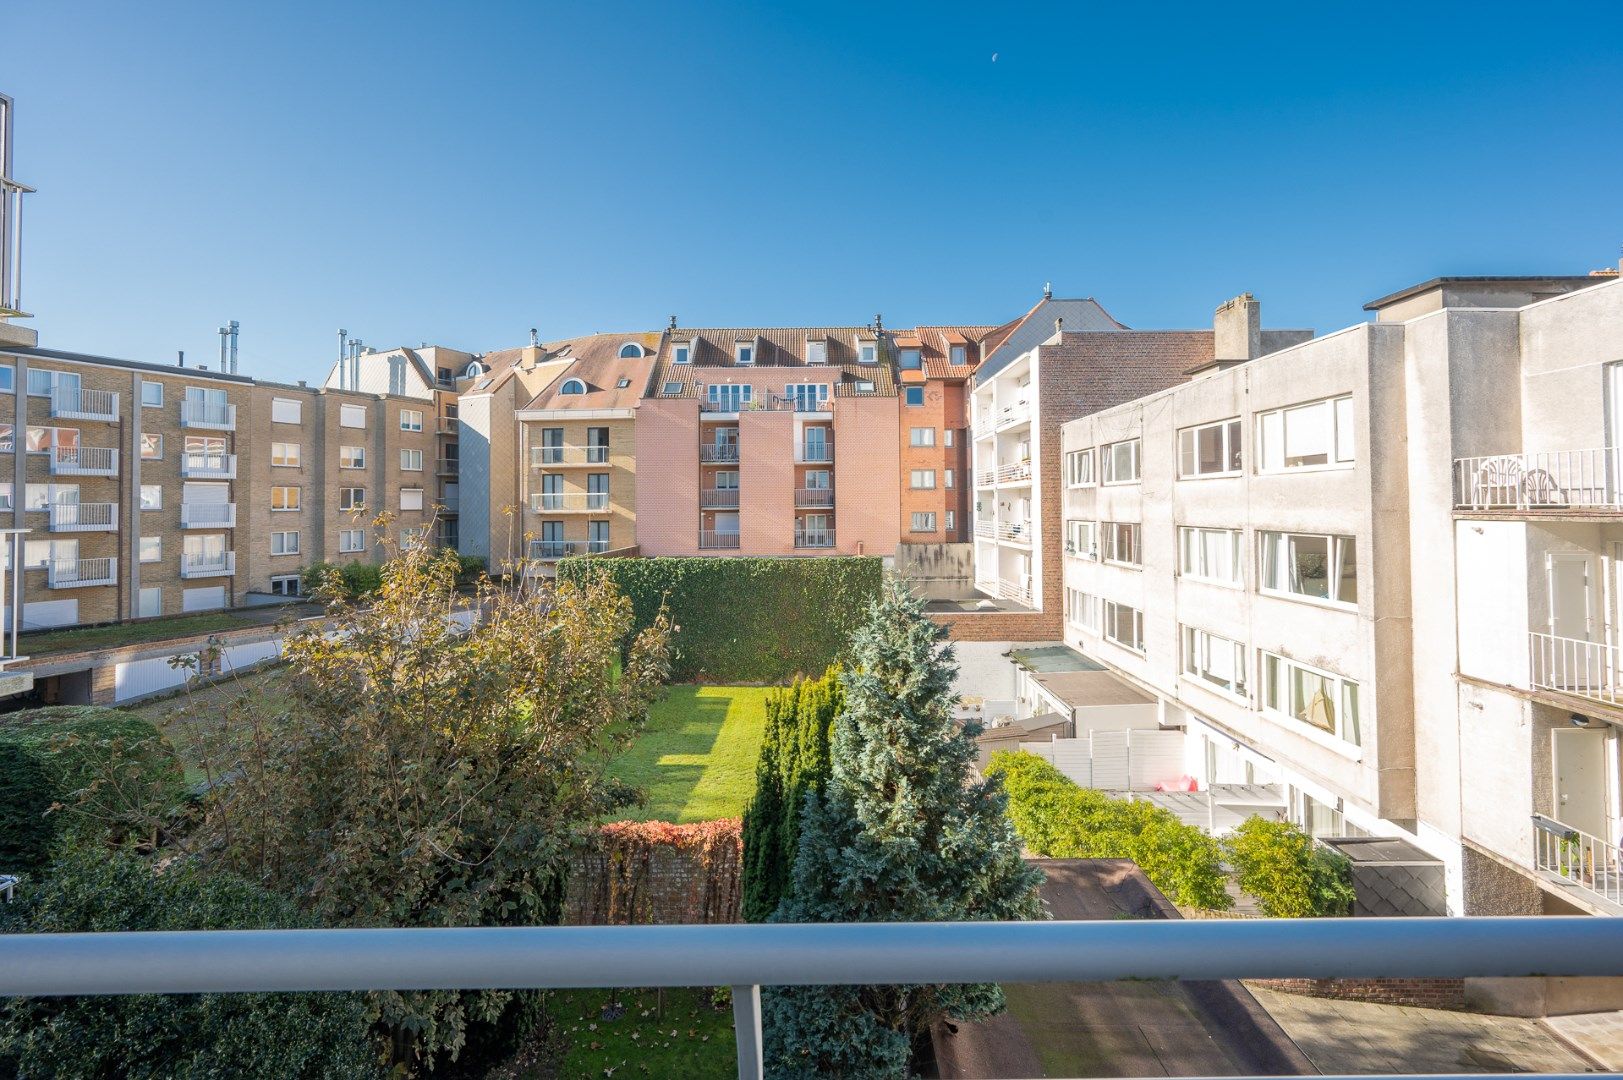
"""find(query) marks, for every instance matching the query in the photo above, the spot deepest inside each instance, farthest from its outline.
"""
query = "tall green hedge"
(744, 620)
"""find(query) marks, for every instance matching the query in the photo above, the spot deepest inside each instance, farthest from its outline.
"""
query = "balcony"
(985, 426)
(985, 528)
(1015, 532)
(1553, 483)
(1574, 859)
(447, 425)
(555, 549)
(718, 498)
(718, 541)
(815, 453)
(208, 515)
(196, 565)
(84, 517)
(546, 457)
(1008, 590)
(84, 461)
(446, 466)
(814, 496)
(1014, 414)
(595, 502)
(205, 466)
(1586, 669)
(70, 404)
(1014, 473)
(209, 415)
(814, 538)
(81, 573)
(986, 478)
(447, 503)
(718, 452)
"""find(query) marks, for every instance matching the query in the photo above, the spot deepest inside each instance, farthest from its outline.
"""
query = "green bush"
(744, 620)
(1289, 875)
(1058, 819)
(80, 775)
(153, 1036)
(352, 580)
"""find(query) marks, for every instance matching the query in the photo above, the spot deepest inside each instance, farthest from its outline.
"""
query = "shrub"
(80, 775)
(351, 581)
(1289, 875)
(148, 1035)
(1058, 819)
(744, 620)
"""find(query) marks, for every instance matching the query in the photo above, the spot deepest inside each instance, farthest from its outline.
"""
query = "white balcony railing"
(70, 404)
(1017, 412)
(81, 573)
(718, 452)
(985, 426)
(718, 497)
(1553, 480)
(554, 549)
(1013, 472)
(986, 478)
(814, 496)
(814, 538)
(1018, 532)
(550, 501)
(717, 541)
(208, 466)
(1020, 594)
(1567, 665)
(208, 515)
(84, 461)
(1573, 857)
(214, 415)
(84, 517)
(545, 456)
(815, 453)
(985, 528)
(194, 565)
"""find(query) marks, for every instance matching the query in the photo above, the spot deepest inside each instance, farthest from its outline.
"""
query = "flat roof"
(113, 361)
(1083, 689)
(1503, 279)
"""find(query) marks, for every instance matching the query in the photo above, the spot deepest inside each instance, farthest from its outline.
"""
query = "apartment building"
(934, 365)
(769, 441)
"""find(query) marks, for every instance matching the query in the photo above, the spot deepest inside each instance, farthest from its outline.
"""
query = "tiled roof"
(774, 347)
(937, 342)
(1011, 341)
(595, 360)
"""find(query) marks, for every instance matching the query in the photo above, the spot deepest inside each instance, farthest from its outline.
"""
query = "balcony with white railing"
(70, 404)
(84, 461)
(1015, 532)
(986, 528)
(84, 517)
(195, 565)
(208, 515)
(985, 478)
(718, 452)
(1586, 669)
(546, 457)
(1014, 472)
(1014, 414)
(565, 502)
(207, 466)
(81, 573)
(208, 415)
(718, 498)
(1551, 482)
(814, 538)
(1575, 860)
(813, 453)
(817, 497)
(717, 541)
(985, 426)
(1009, 590)
(554, 549)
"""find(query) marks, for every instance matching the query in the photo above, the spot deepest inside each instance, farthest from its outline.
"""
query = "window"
(7, 444)
(151, 549)
(923, 521)
(808, 397)
(411, 460)
(6, 496)
(630, 351)
(816, 352)
(1210, 555)
(151, 497)
(8, 378)
(352, 457)
(923, 478)
(1318, 434)
(38, 554)
(597, 491)
(350, 498)
(949, 520)
(573, 386)
(152, 394)
(672, 389)
(411, 420)
(622, 384)
(1316, 698)
(285, 585)
(864, 386)
(284, 498)
(40, 381)
(914, 395)
(744, 352)
(910, 358)
(1317, 567)
(1121, 543)
(727, 480)
(868, 354)
(597, 445)
(287, 411)
(352, 416)
(730, 397)
(1209, 450)
(1124, 625)
(1082, 610)
(1081, 539)
(44, 496)
(958, 355)
(151, 446)
(285, 455)
(921, 436)
(683, 354)
(351, 540)
(1120, 461)
(411, 498)
(1214, 660)
(42, 440)
(285, 543)
(473, 370)
(150, 603)
(946, 436)
(947, 477)
(1079, 468)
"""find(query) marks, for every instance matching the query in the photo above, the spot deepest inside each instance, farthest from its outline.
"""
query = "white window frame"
(1108, 611)
(411, 419)
(287, 411)
(921, 436)
(407, 456)
(1281, 550)
(1110, 544)
(281, 460)
(147, 385)
(1275, 682)
(1130, 461)
(1229, 452)
(297, 501)
(352, 416)
(278, 542)
(1079, 468)
(1082, 538)
(744, 353)
(351, 541)
(347, 495)
(352, 457)
(914, 475)
(152, 554)
(868, 353)
(816, 352)
(1338, 436)
(929, 521)
(947, 477)
(145, 435)
(150, 489)
(1195, 564)
(1082, 610)
(1197, 648)
(682, 354)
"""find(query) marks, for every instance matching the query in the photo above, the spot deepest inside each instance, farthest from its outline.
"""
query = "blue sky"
(458, 173)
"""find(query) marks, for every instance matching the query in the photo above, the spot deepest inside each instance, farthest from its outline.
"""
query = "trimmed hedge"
(1291, 876)
(57, 756)
(744, 620)
(1058, 819)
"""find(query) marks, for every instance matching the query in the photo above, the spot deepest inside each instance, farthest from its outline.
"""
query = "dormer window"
(744, 352)
(682, 354)
(910, 358)
(960, 355)
(869, 354)
(573, 386)
(631, 351)
(816, 352)
(473, 370)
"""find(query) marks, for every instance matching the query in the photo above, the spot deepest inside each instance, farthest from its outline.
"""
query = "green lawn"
(636, 1033)
(696, 760)
(40, 642)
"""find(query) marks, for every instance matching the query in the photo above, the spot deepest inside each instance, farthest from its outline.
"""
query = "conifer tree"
(899, 833)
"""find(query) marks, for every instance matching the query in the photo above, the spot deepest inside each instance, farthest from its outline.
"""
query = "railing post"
(747, 1031)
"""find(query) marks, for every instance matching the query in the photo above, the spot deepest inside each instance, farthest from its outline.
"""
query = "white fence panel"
(1044, 750)
(138, 678)
(1154, 757)
(237, 657)
(1074, 758)
(1110, 760)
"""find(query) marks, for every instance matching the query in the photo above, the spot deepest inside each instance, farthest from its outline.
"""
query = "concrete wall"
(937, 571)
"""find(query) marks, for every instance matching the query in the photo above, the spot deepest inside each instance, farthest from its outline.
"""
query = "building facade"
(934, 365)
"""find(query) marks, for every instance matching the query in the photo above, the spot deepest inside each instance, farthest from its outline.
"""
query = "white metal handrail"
(1017, 470)
(208, 515)
(816, 453)
(1570, 666)
(83, 517)
(195, 565)
(1008, 590)
(985, 426)
(814, 496)
(208, 414)
(72, 573)
(985, 528)
(205, 463)
(1015, 413)
(718, 452)
(986, 478)
(814, 538)
(84, 460)
(1017, 531)
(1578, 858)
(1548, 480)
(722, 497)
(541, 456)
(717, 540)
(83, 404)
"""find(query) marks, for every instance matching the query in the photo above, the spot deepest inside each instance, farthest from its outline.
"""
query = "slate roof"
(1009, 342)
(774, 347)
(595, 359)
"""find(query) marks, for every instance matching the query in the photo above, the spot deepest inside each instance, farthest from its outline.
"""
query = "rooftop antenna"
(1048, 290)
(673, 322)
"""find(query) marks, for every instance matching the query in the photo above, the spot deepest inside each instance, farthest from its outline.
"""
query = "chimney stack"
(1048, 290)
(1237, 329)
(535, 337)
(180, 358)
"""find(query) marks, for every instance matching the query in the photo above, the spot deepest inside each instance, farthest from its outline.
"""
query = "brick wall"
(1420, 993)
(866, 465)
(656, 873)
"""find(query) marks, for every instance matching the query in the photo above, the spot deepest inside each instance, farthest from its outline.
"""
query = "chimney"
(232, 328)
(1048, 290)
(535, 337)
(180, 358)
(342, 333)
(1237, 329)
(1059, 325)
(879, 324)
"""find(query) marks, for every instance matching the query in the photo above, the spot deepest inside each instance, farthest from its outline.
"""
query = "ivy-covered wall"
(745, 620)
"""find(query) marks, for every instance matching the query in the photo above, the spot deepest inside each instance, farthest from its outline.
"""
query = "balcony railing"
(547, 501)
(84, 461)
(718, 452)
(208, 466)
(447, 425)
(718, 541)
(1554, 480)
(194, 565)
(810, 453)
(814, 538)
(985, 529)
(446, 466)
(710, 498)
(81, 573)
(554, 549)
(986, 478)
(542, 457)
(1008, 590)
(814, 496)
(447, 503)
(214, 415)
(70, 404)
(746, 957)
(1014, 472)
(1017, 413)
(728, 406)
(84, 517)
(1018, 532)
(1567, 665)
(208, 515)
(1573, 857)
(985, 426)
